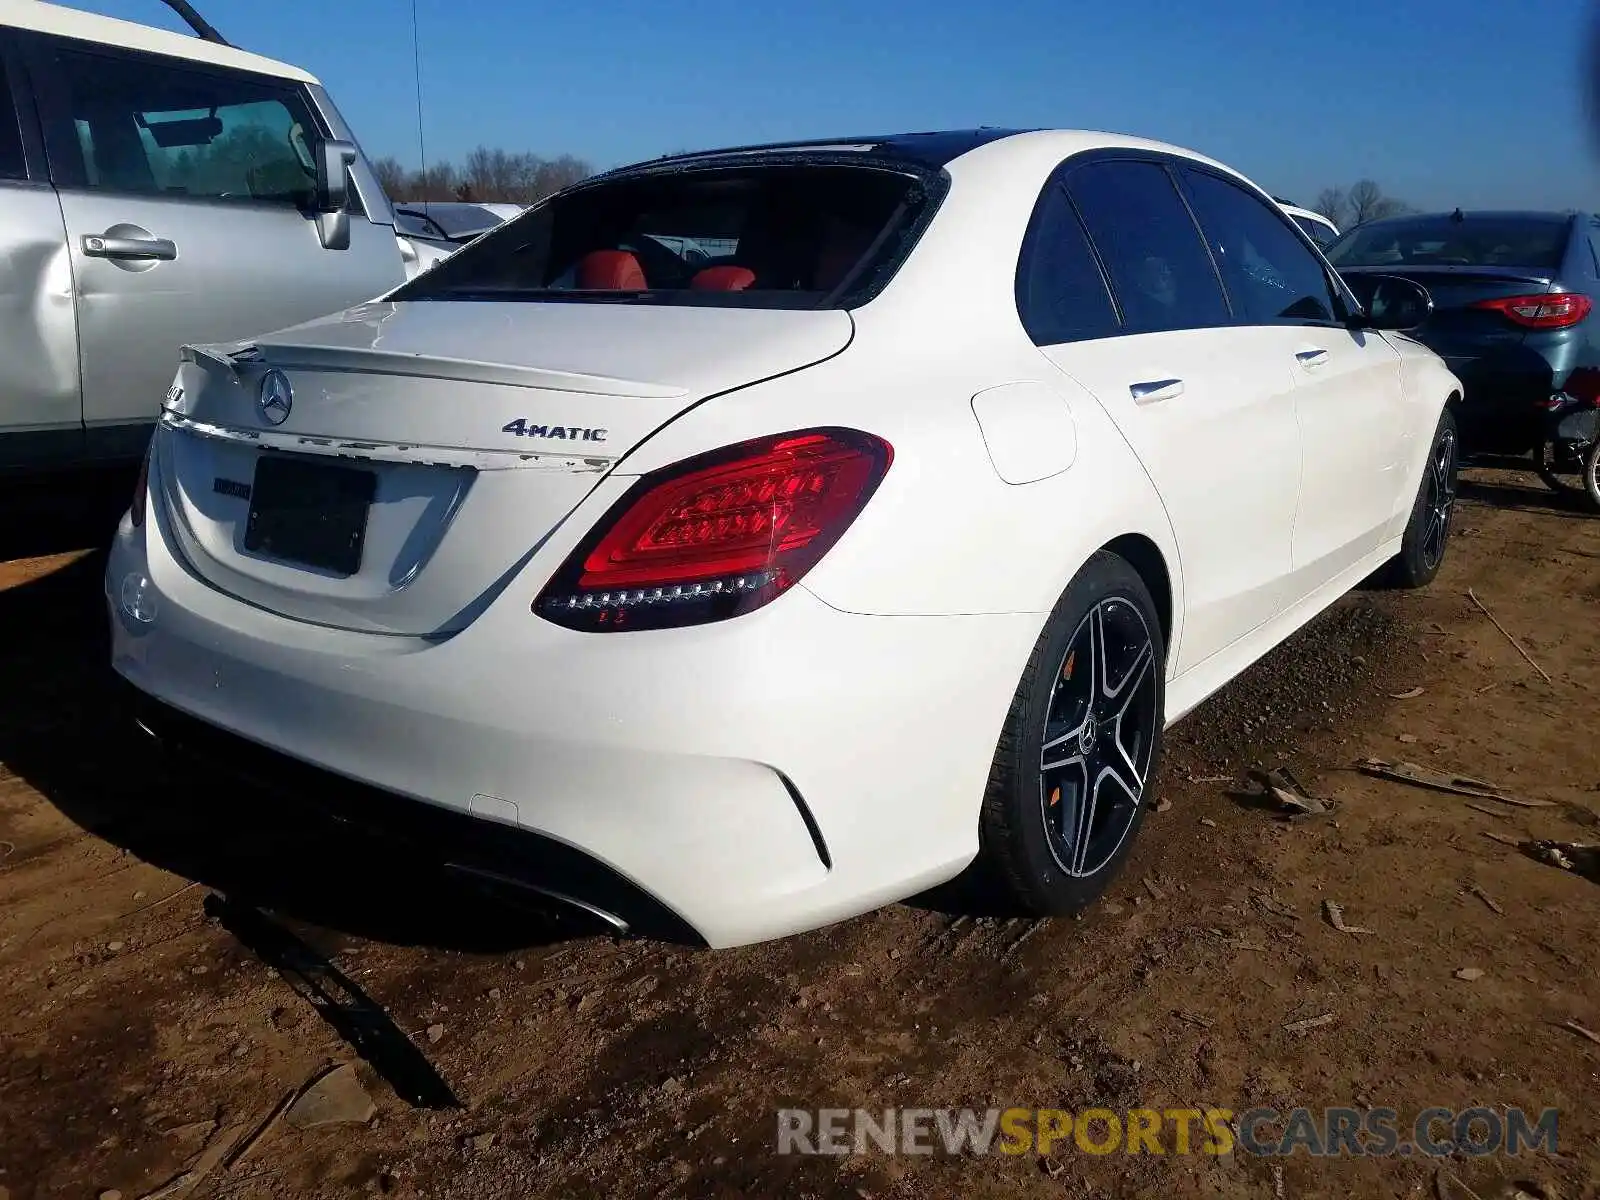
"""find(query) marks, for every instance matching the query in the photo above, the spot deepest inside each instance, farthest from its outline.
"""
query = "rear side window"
(763, 235)
(1441, 240)
(1270, 273)
(1061, 295)
(12, 164)
(1159, 268)
(135, 125)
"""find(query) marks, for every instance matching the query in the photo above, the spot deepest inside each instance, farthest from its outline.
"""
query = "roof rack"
(203, 29)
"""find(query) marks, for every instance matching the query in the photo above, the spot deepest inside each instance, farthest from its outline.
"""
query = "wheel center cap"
(1088, 735)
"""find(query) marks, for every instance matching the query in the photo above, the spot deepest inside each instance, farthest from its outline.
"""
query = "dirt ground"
(178, 957)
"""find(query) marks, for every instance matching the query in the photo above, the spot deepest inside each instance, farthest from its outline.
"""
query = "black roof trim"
(935, 148)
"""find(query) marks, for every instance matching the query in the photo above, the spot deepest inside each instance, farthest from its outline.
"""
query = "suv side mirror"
(1389, 302)
(334, 159)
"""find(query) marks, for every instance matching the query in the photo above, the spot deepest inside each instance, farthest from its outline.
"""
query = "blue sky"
(1443, 102)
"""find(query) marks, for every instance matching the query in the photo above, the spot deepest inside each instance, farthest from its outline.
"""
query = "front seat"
(610, 271)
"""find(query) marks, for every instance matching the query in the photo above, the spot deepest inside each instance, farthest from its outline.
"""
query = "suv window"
(1061, 295)
(12, 163)
(135, 125)
(1270, 274)
(1158, 265)
(1594, 249)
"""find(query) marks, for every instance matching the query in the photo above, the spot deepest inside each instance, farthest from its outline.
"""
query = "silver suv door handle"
(97, 245)
(1155, 390)
(1311, 358)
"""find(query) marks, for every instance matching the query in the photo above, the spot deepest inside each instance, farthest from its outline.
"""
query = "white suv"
(155, 190)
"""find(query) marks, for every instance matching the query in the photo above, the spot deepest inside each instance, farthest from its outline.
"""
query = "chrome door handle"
(97, 245)
(1311, 358)
(1155, 390)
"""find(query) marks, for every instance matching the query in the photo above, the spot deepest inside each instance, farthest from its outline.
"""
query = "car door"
(40, 413)
(1209, 413)
(1348, 393)
(182, 186)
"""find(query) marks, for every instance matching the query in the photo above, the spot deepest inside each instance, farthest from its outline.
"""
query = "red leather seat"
(610, 271)
(722, 279)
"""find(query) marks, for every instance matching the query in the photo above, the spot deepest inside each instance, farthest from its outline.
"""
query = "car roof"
(40, 17)
(935, 148)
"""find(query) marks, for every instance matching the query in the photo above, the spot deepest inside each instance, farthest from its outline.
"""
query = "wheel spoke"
(1097, 654)
(1081, 836)
(1128, 690)
(1068, 756)
(1133, 780)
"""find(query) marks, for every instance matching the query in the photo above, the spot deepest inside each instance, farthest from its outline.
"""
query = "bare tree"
(1362, 201)
(392, 177)
(1331, 203)
(1368, 203)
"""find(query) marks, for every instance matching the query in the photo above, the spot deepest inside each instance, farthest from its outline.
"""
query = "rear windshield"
(1444, 242)
(769, 235)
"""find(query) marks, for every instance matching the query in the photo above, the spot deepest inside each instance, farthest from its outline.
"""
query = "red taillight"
(717, 535)
(1549, 310)
(140, 488)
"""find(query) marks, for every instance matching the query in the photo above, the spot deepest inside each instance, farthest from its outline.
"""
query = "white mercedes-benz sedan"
(742, 592)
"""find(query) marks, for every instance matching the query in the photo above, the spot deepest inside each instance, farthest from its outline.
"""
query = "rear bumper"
(769, 774)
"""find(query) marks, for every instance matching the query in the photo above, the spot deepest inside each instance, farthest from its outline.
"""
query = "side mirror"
(1389, 302)
(334, 159)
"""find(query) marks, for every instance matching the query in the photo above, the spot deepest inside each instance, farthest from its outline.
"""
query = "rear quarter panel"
(945, 534)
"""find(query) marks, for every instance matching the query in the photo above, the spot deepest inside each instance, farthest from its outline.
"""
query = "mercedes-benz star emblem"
(276, 397)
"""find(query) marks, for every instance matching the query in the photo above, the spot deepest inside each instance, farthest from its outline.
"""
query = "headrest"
(723, 279)
(610, 270)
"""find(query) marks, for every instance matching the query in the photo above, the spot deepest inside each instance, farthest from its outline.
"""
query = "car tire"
(1427, 533)
(1054, 841)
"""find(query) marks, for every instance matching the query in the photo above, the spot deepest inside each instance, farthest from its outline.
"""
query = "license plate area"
(312, 514)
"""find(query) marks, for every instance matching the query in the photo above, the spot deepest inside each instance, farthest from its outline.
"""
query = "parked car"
(158, 189)
(1514, 310)
(1317, 227)
(753, 596)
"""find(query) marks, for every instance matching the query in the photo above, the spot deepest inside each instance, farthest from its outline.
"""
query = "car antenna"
(416, 67)
(203, 28)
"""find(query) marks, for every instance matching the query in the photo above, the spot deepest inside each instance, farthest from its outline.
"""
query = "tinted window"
(1158, 265)
(133, 125)
(11, 161)
(1440, 240)
(1061, 294)
(1594, 250)
(764, 235)
(1270, 273)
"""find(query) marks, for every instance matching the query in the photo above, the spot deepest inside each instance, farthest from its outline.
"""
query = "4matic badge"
(570, 433)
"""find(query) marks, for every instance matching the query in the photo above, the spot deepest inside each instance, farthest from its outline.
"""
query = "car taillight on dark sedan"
(1547, 310)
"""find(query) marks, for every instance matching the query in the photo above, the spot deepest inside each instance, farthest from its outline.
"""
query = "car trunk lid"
(422, 452)
(1457, 330)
